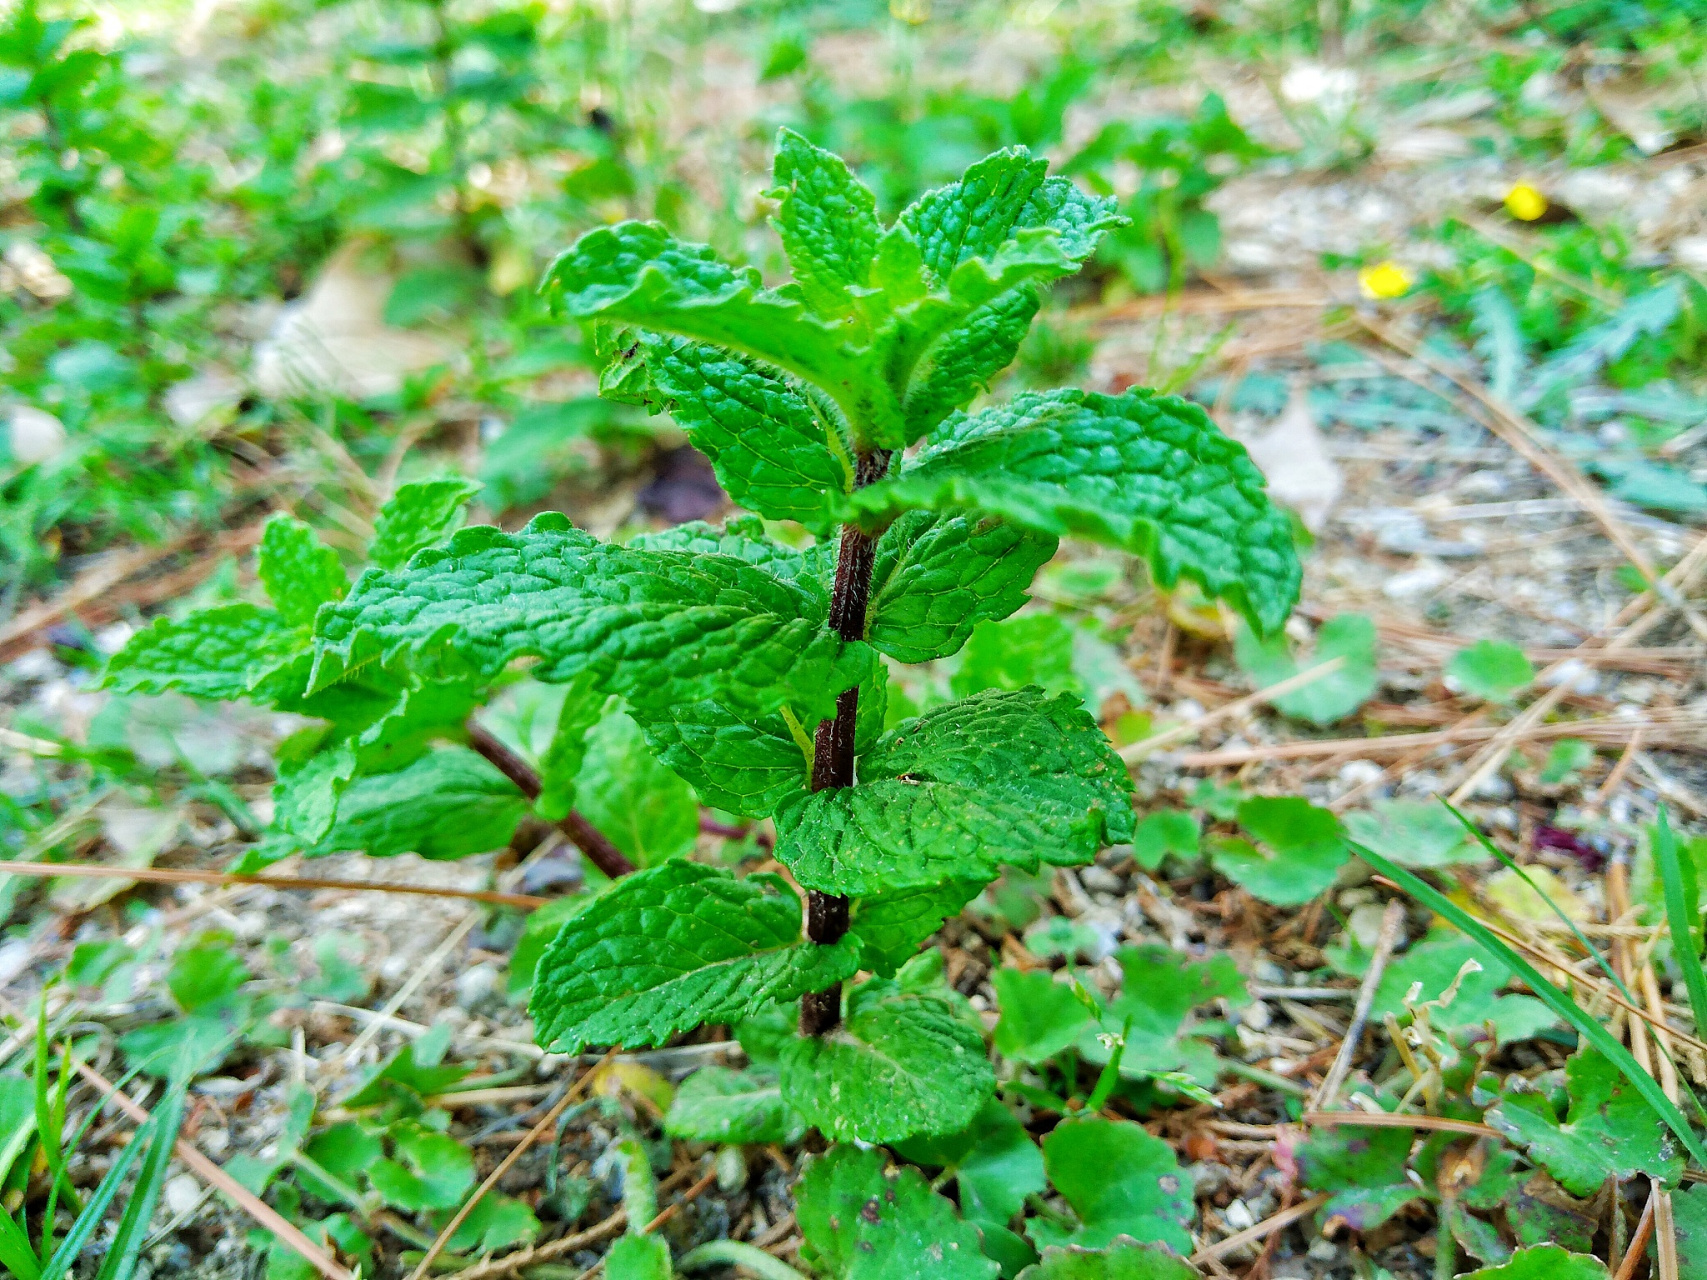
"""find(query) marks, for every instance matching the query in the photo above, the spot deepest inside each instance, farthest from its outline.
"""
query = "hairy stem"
(833, 744)
(584, 835)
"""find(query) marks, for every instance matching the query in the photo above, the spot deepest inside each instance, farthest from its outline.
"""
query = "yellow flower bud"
(1525, 203)
(1384, 280)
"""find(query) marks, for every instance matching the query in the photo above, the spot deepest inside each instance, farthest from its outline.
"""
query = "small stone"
(1364, 924)
(1100, 880)
(731, 1170)
(1256, 1015)
(474, 985)
(1238, 1215)
(182, 1193)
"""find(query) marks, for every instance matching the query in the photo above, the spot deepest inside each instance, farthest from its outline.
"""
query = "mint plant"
(399, 765)
(755, 668)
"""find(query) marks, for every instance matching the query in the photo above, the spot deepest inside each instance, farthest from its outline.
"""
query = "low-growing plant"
(1179, 162)
(755, 668)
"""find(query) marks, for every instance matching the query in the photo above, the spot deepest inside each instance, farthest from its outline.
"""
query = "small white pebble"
(182, 1193)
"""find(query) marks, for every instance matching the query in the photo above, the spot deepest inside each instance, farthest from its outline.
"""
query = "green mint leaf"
(993, 1160)
(716, 1104)
(959, 791)
(299, 572)
(672, 947)
(623, 376)
(1040, 1017)
(861, 1223)
(899, 1065)
(1491, 670)
(773, 451)
(227, 653)
(540, 928)
(1547, 1262)
(1140, 471)
(1126, 1260)
(997, 200)
(935, 577)
(419, 515)
(984, 245)
(1609, 1130)
(827, 220)
(646, 810)
(636, 273)
(1120, 1181)
(1350, 637)
(374, 731)
(560, 765)
(890, 926)
(1299, 852)
(750, 765)
(659, 627)
(745, 539)
(1364, 1168)
(743, 766)
(447, 804)
(1032, 649)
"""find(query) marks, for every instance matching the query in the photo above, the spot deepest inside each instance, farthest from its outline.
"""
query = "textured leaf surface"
(959, 791)
(773, 453)
(748, 765)
(997, 199)
(891, 925)
(716, 1104)
(659, 627)
(899, 1065)
(1120, 1181)
(299, 572)
(862, 1224)
(1609, 1131)
(672, 947)
(1144, 472)
(827, 220)
(637, 273)
(646, 810)
(1032, 649)
(419, 515)
(635, 1257)
(935, 577)
(447, 804)
(229, 652)
(1122, 1260)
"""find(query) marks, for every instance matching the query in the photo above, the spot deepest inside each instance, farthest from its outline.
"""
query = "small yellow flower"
(1384, 280)
(1525, 203)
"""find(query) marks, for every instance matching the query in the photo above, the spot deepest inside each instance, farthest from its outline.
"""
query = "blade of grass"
(1679, 913)
(83, 1228)
(1550, 995)
(15, 1252)
(1552, 906)
(126, 1248)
